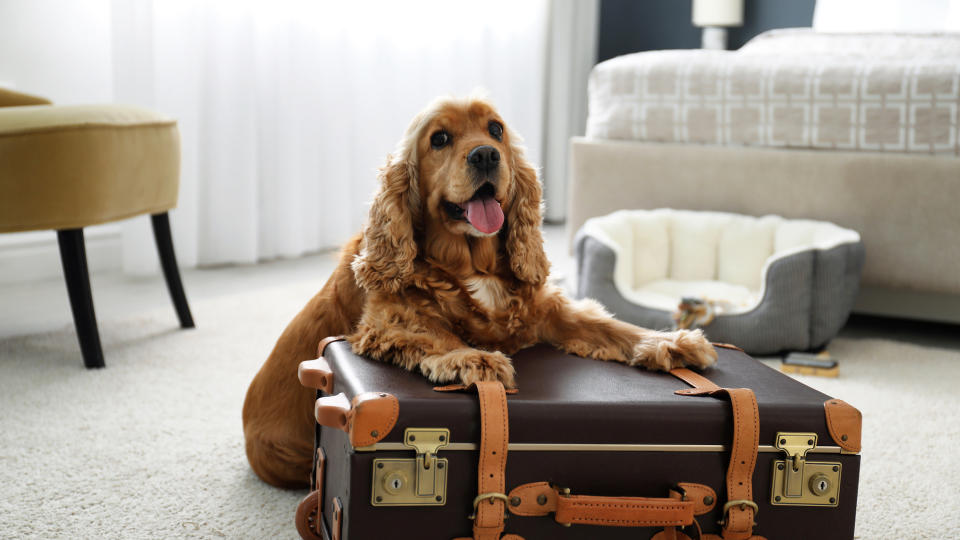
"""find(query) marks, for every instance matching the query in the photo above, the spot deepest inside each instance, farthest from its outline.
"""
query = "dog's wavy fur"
(427, 291)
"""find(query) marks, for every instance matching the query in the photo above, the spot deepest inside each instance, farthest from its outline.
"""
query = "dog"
(448, 278)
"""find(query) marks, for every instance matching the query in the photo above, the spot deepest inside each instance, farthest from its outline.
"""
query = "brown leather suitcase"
(594, 450)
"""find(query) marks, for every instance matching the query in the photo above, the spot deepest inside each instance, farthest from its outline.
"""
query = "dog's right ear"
(388, 248)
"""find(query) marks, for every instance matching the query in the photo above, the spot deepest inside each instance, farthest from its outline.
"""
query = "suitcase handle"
(685, 501)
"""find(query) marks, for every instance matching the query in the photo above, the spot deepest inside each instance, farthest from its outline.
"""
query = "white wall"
(60, 49)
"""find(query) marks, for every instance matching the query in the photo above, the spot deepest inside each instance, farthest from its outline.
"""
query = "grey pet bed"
(776, 284)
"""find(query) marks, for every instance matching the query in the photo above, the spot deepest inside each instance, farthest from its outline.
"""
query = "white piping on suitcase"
(547, 447)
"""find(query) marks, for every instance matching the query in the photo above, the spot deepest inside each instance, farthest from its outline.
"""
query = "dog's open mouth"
(482, 210)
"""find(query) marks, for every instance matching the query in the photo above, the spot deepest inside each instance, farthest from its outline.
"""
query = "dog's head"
(460, 169)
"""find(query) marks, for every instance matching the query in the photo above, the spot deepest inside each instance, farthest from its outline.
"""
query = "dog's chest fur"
(488, 291)
(499, 319)
(474, 290)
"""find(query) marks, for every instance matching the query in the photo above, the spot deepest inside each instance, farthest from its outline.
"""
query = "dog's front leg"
(415, 340)
(584, 328)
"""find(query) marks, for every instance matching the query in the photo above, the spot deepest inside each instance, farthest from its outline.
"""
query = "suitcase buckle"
(484, 496)
(742, 503)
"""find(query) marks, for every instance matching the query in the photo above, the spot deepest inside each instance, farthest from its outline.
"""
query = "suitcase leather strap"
(490, 503)
(740, 510)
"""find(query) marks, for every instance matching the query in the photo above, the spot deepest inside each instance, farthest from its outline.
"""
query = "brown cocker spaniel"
(449, 278)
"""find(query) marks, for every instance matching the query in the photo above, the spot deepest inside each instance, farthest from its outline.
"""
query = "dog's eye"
(496, 130)
(439, 139)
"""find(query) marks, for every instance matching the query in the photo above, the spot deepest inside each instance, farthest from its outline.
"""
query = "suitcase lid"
(564, 399)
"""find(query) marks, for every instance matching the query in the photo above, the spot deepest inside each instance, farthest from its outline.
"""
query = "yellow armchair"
(69, 167)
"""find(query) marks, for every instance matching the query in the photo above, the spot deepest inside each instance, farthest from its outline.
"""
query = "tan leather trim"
(368, 418)
(670, 533)
(333, 411)
(623, 511)
(703, 497)
(491, 470)
(337, 527)
(845, 423)
(321, 472)
(528, 494)
(596, 510)
(701, 385)
(316, 374)
(372, 416)
(462, 387)
(310, 509)
(307, 517)
(727, 346)
(739, 521)
(322, 346)
(495, 433)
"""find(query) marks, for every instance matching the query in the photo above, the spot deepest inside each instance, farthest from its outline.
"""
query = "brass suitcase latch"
(416, 481)
(798, 482)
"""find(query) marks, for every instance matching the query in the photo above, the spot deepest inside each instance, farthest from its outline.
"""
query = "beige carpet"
(151, 447)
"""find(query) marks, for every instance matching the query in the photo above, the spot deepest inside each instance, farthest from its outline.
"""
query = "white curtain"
(287, 107)
(573, 52)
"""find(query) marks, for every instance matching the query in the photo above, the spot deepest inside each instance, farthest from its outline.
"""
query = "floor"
(152, 445)
(44, 306)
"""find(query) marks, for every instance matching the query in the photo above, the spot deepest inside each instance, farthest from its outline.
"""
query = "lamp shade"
(717, 12)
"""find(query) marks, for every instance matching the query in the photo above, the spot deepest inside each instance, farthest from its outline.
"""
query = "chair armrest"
(9, 98)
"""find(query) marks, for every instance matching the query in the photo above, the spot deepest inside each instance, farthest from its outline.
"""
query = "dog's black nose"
(485, 158)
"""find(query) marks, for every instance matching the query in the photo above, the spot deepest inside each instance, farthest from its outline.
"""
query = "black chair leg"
(73, 255)
(168, 260)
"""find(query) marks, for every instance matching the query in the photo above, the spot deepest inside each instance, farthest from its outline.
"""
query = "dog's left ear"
(524, 240)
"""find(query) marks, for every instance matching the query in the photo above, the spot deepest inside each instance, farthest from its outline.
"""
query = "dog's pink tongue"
(485, 214)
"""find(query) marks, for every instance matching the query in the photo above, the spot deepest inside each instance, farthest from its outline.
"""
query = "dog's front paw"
(668, 350)
(488, 366)
(469, 366)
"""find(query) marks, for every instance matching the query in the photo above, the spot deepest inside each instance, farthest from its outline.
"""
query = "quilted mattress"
(788, 88)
